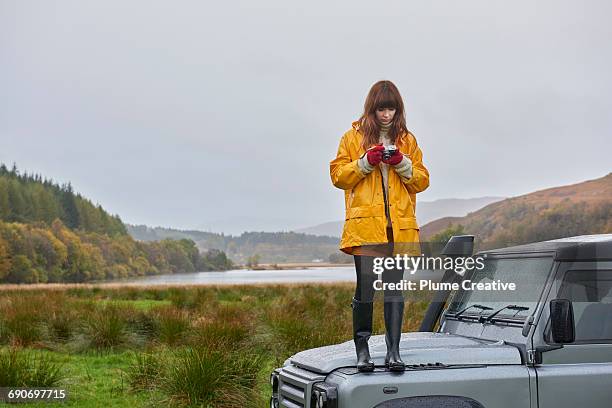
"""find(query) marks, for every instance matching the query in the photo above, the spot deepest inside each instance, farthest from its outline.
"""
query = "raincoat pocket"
(365, 211)
(408, 223)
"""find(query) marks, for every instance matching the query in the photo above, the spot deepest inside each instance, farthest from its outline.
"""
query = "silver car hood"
(415, 348)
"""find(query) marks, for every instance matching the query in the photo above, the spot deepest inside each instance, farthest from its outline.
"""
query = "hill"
(426, 212)
(308, 244)
(270, 247)
(28, 198)
(49, 233)
(577, 209)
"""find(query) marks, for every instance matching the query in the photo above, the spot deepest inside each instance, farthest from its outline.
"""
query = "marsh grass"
(181, 298)
(198, 376)
(187, 346)
(106, 327)
(23, 320)
(309, 318)
(62, 324)
(145, 325)
(144, 371)
(205, 377)
(20, 368)
(173, 325)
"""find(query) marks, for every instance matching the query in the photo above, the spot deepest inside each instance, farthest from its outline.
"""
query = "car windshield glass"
(528, 274)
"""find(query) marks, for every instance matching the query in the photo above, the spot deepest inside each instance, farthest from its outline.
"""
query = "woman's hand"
(395, 158)
(374, 154)
(402, 165)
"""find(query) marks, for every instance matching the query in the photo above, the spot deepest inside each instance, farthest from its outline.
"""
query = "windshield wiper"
(490, 317)
(462, 311)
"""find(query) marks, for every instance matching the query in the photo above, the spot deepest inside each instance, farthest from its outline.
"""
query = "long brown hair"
(383, 94)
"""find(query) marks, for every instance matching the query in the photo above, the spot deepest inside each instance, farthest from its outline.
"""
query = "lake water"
(241, 276)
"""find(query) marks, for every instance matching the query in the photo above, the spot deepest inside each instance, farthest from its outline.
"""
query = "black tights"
(364, 291)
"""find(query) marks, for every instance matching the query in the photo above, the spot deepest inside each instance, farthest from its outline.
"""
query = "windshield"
(528, 275)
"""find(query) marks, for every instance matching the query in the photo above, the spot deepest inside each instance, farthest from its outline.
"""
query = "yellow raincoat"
(365, 220)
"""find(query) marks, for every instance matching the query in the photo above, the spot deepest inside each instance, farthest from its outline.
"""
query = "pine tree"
(71, 212)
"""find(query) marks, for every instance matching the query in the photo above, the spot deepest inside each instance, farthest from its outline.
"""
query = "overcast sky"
(223, 116)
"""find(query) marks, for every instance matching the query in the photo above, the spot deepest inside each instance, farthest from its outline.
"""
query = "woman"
(380, 188)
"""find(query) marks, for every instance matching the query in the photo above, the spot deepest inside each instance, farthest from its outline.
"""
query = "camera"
(389, 151)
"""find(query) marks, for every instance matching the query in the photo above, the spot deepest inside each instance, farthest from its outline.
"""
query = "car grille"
(295, 386)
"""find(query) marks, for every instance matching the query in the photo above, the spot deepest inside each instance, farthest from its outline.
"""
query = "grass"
(95, 380)
(143, 374)
(210, 377)
(106, 327)
(208, 346)
(138, 304)
(20, 368)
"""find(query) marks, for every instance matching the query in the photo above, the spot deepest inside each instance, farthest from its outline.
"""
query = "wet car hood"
(415, 348)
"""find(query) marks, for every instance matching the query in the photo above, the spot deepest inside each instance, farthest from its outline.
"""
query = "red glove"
(374, 154)
(395, 158)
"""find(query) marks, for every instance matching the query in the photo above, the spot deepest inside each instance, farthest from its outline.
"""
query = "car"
(547, 344)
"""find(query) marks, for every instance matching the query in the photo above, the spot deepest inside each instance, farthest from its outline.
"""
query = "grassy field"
(208, 346)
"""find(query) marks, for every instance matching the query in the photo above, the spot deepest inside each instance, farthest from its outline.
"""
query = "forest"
(49, 233)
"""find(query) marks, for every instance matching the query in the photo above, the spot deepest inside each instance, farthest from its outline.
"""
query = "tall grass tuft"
(106, 327)
(181, 298)
(27, 369)
(144, 324)
(62, 324)
(223, 326)
(173, 325)
(145, 371)
(309, 317)
(206, 377)
(23, 320)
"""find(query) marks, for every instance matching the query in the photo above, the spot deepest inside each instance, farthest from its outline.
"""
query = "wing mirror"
(562, 321)
(459, 245)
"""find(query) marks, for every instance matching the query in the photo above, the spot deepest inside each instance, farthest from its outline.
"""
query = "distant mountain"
(450, 207)
(332, 229)
(577, 209)
(270, 247)
(426, 212)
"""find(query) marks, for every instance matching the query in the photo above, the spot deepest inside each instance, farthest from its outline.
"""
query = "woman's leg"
(364, 268)
(393, 275)
(362, 306)
(394, 313)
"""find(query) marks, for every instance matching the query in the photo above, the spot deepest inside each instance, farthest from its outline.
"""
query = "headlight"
(274, 382)
(274, 385)
(324, 396)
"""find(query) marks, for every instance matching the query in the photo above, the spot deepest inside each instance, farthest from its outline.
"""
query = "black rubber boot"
(362, 330)
(394, 313)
